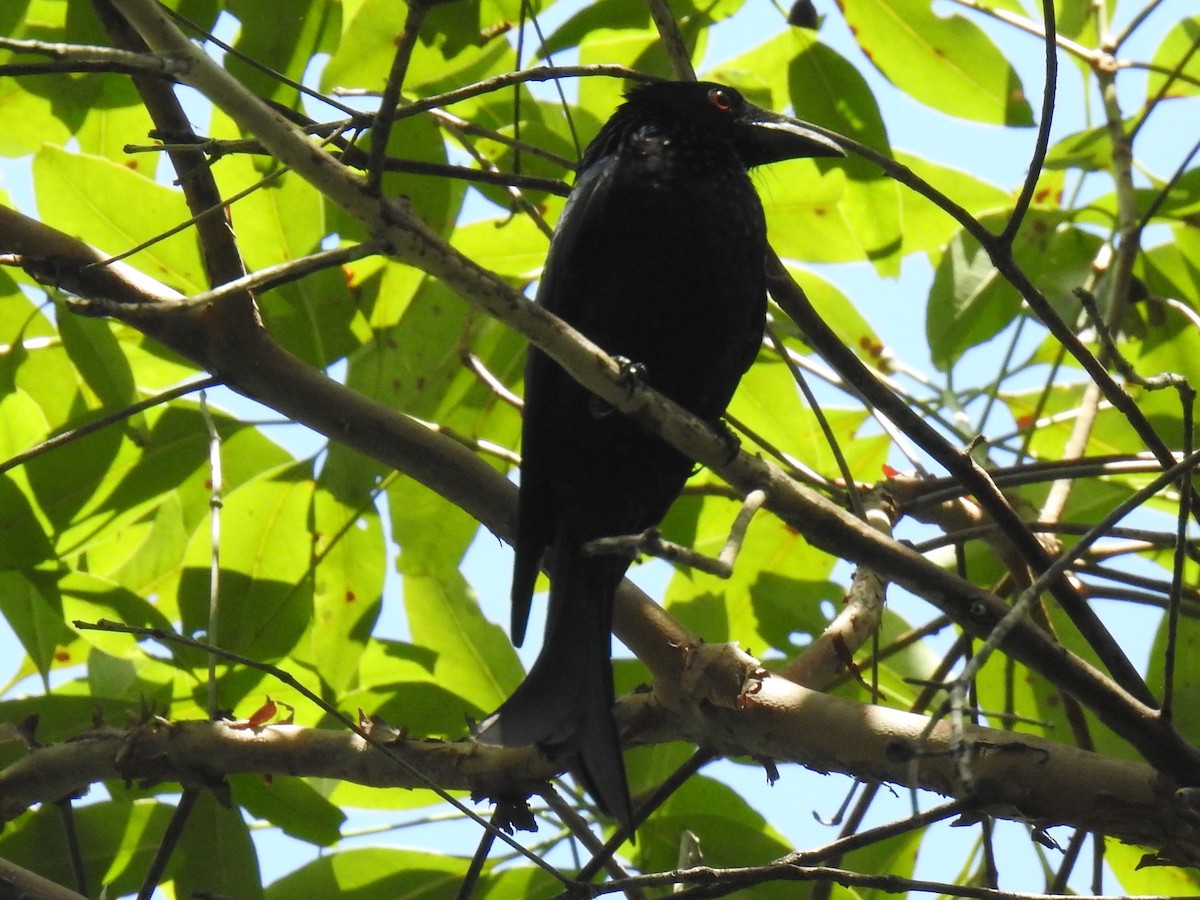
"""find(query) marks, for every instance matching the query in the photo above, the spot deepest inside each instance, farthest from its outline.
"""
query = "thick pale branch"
(1013, 776)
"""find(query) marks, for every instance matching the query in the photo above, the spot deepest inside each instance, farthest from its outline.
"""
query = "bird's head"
(757, 135)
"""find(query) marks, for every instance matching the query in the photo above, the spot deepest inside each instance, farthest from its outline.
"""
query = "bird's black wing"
(549, 389)
(570, 453)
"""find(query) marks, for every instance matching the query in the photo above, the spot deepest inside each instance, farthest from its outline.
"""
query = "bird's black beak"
(770, 137)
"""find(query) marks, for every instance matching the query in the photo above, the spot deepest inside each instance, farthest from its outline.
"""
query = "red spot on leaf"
(61, 655)
(351, 596)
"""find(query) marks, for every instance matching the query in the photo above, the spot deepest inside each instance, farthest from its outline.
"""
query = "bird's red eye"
(721, 99)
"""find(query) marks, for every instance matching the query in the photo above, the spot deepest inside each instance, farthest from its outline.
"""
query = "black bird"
(657, 258)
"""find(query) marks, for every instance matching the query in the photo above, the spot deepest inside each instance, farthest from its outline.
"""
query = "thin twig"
(831, 441)
(66, 812)
(660, 795)
(170, 839)
(104, 421)
(672, 41)
(1042, 144)
(215, 501)
(268, 277)
(382, 129)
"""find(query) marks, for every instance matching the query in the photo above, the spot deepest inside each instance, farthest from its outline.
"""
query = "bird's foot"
(732, 442)
(632, 375)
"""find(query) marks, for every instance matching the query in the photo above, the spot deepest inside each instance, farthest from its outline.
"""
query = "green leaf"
(281, 222)
(968, 303)
(90, 599)
(897, 855)
(1077, 19)
(117, 839)
(543, 124)
(436, 200)
(513, 247)
(266, 576)
(214, 832)
(427, 378)
(806, 214)
(603, 15)
(824, 88)
(31, 608)
(777, 584)
(455, 48)
(94, 488)
(351, 560)
(137, 680)
(96, 355)
(474, 656)
(838, 312)
(1137, 878)
(47, 375)
(114, 119)
(1090, 149)
(31, 115)
(395, 681)
(1172, 269)
(291, 804)
(1177, 43)
(927, 227)
(519, 881)
(20, 320)
(638, 47)
(1178, 203)
(281, 45)
(23, 542)
(11, 16)
(22, 423)
(730, 833)
(946, 63)
(372, 872)
(96, 199)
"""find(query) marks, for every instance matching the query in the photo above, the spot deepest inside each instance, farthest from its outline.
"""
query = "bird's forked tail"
(564, 705)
